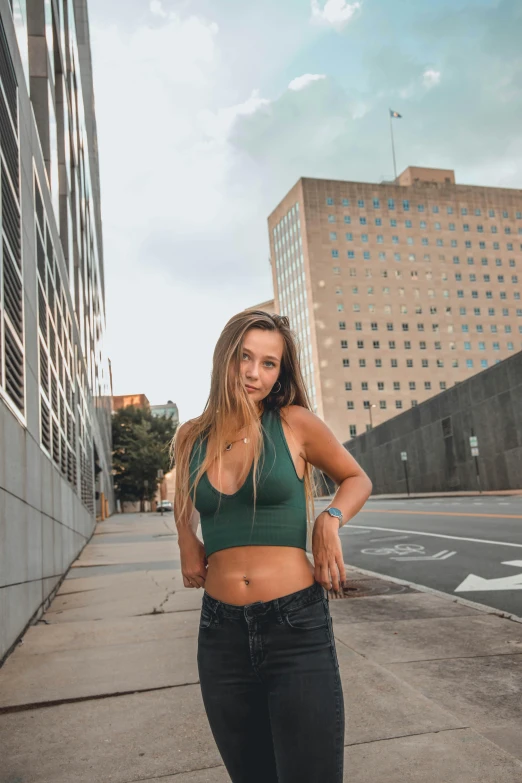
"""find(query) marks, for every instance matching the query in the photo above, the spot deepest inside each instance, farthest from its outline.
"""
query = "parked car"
(165, 505)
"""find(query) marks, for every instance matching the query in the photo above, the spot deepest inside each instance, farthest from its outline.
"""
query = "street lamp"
(371, 417)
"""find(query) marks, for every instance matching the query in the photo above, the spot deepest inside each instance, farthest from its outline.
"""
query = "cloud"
(157, 8)
(431, 77)
(301, 82)
(336, 13)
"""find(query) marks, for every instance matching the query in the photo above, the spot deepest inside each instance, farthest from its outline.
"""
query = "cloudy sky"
(208, 112)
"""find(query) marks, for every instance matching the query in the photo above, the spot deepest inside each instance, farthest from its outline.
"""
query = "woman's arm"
(320, 448)
(186, 517)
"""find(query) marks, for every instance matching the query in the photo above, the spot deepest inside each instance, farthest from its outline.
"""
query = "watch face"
(334, 512)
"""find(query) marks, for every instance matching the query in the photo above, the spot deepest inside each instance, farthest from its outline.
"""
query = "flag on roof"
(395, 114)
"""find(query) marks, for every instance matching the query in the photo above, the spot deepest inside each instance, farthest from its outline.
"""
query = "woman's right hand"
(193, 559)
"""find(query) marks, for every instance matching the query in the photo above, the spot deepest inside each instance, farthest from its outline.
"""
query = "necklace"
(229, 445)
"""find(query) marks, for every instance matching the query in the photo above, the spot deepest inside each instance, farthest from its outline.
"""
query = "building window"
(346, 362)
(347, 385)
(469, 363)
(380, 386)
(347, 219)
(409, 363)
(427, 385)
(412, 385)
(12, 363)
(345, 202)
(394, 363)
(398, 404)
(335, 254)
(333, 236)
(362, 362)
(329, 202)
(350, 405)
(351, 254)
(344, 345)
(406, 206)
(340, 307)
(337, 270)
(378, 362)
(353, 430)
(342, 325)
(425, 363)
(391, 345)
(360, 203)
(391, 203)
(360, 344)
(382, 405)
(349, 237)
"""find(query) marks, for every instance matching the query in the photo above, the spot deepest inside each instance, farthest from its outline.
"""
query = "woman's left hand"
(329, 568)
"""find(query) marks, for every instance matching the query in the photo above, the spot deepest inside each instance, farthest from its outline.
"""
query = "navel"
(247, 581)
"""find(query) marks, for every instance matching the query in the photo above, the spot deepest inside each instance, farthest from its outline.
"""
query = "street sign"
(474, 451)
(473, 441)
(404, 456)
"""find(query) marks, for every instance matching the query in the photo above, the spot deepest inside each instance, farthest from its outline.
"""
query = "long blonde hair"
(229, 409)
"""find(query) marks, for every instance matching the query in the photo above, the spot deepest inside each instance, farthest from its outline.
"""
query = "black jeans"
(271, 688)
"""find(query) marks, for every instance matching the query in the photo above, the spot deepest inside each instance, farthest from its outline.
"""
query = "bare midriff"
(245, 574)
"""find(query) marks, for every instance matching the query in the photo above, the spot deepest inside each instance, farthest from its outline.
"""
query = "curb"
(452, 496)
(423, 589)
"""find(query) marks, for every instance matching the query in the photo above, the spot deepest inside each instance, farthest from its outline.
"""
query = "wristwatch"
(334, 512)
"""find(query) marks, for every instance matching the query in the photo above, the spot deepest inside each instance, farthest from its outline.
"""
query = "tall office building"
(55, 411)
(396, 290)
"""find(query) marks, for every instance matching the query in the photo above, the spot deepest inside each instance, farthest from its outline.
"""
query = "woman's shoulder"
(297, 415)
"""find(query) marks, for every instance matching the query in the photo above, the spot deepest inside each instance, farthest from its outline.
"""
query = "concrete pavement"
(104, 689)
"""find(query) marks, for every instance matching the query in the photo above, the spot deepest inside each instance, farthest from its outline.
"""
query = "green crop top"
(280, 515)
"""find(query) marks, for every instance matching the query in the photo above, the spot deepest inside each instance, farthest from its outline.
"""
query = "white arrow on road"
(439, 556)
(474, 582)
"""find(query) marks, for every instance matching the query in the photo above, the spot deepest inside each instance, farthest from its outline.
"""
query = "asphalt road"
(455, 546)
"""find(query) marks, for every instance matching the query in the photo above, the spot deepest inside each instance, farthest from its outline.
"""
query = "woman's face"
(260, 365)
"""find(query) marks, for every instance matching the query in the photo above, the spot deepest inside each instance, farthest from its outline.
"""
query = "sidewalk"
(105, 689)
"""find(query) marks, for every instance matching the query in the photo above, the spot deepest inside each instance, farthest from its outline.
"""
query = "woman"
(266, 653)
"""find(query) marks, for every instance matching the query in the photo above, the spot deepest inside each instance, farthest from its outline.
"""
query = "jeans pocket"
(206, 617)
(308, 618)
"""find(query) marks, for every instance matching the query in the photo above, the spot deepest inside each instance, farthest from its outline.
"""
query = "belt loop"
(278, 614)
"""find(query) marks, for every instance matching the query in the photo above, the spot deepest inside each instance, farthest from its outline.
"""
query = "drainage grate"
(370, 585)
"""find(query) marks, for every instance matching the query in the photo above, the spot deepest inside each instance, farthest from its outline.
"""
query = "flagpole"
(393, 144)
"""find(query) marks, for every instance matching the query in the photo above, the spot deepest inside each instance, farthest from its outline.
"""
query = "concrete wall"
(43, 527)
(436, 434)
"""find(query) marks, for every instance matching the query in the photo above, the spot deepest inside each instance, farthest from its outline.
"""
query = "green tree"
(140, 448)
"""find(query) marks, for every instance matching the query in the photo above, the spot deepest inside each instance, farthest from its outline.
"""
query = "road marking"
(439, 556)
(388, 538)
(440, 513)
(474, 583)
(398, 549)
(436, 535)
